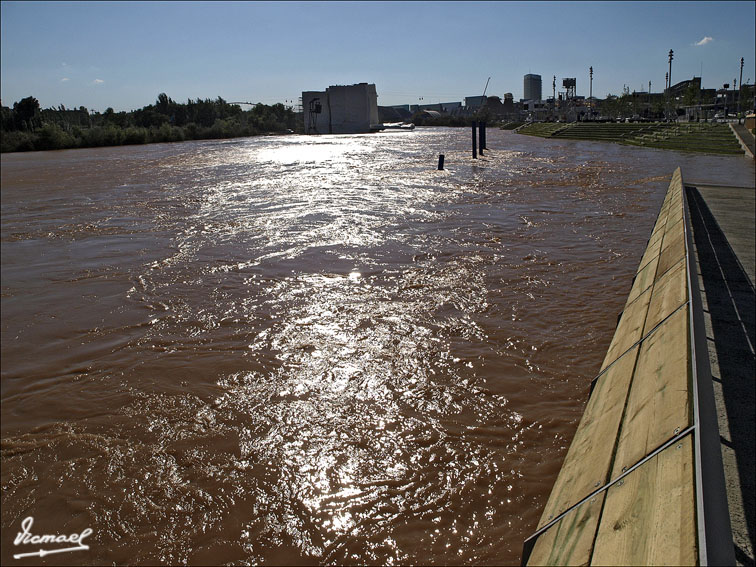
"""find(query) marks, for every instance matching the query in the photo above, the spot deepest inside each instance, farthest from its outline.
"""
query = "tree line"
(27, 127)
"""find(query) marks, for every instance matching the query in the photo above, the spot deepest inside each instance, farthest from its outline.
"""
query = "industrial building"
(474, 102)
(341, 109)
(532, 87)
(448, 107)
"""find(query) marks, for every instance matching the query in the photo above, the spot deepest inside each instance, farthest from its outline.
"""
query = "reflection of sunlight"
(341, 522)
(301, 154)
(357, 381)
(311, 151)
(325, 333)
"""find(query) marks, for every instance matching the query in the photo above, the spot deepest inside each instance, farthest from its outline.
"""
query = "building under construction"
(349, 109)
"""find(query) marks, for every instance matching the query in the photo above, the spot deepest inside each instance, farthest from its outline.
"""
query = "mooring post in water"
(475, 141)
(483, 137)
(440, 162)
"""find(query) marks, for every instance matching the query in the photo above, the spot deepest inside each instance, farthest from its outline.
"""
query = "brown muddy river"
(309, 349)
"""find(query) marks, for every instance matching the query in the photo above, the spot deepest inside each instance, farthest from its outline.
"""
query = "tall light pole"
(666, 96)
(553, 99)
(741, 87)
(671, 56)
(734, 85)
(590, 95)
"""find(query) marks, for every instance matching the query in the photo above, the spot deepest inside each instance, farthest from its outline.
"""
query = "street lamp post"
(666, 96)
(553, 99)
(741, 87)
(734, 90)
(669, 73)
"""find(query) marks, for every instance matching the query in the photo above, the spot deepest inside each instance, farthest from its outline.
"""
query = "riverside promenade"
(724, 230)
(660, 470)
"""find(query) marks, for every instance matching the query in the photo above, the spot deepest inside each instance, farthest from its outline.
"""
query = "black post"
(481, 143)
(483, 131)
(474, 141)
(440, 162)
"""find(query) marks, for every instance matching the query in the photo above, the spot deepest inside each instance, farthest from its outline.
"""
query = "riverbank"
(686, 137)
(26, 127)
(52, 137)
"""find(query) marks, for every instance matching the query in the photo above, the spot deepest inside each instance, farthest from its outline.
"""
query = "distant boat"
(393, 126)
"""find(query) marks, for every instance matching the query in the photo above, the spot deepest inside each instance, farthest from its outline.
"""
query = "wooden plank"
(652, 253)
(641, 401)
(658, 406)
(676, 178)
(665, 203)
(661, 219)
(643, 280)
(587, 464)
(570, 540)
(629, 329)
(675, 211)
(674, 218)
(669, 293)
(650, 519)
(673, 248)
(659, 225)
(658, 231)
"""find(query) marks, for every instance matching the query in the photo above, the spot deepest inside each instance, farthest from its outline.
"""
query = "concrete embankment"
(724, 229)
(643, 481)
(745, 138)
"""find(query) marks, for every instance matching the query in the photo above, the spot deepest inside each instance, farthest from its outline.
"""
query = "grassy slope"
(692, 137)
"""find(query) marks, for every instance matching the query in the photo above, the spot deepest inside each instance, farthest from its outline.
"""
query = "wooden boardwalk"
(631, 490)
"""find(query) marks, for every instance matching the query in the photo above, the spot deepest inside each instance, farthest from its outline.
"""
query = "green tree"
(7, 119)
(52, 137)
(27, 127)
(27, 113)
(690, 96)
(163, 104)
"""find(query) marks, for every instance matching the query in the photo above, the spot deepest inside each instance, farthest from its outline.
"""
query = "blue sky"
(123, 54)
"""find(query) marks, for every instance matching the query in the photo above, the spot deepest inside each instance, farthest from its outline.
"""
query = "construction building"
(341, 109)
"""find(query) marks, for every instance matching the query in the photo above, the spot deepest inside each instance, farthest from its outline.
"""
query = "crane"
(484, 90)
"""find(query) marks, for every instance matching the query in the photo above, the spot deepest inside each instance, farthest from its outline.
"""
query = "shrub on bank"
(52, 137)
(26, 127)
(166, 133)
(135, 135)
(17, 141)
